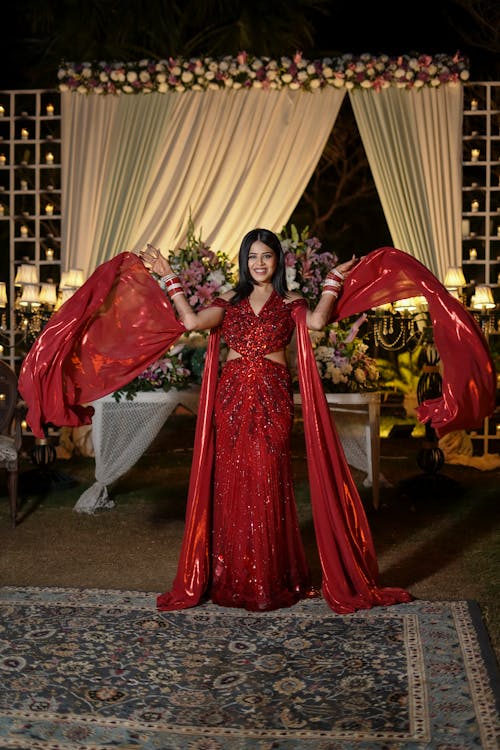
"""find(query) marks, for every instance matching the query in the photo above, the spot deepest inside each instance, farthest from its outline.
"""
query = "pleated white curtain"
(135, 167)
(412, 140)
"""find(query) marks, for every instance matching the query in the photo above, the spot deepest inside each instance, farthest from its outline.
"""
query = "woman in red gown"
(256, 555)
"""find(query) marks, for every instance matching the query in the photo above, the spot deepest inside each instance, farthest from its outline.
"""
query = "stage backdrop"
(140, 158)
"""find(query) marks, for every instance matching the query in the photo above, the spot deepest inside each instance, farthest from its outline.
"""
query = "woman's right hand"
(155, 261)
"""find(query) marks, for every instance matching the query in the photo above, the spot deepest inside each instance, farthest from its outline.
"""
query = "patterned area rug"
(94, 670)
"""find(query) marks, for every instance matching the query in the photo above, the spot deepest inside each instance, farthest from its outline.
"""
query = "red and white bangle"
(173, 285)
(331, 286)
(337, 273)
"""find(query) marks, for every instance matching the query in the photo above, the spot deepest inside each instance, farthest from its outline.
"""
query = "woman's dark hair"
(245, 282)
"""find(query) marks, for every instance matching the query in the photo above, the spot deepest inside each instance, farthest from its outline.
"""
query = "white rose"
(144, 76)
(162, 88)
(87, 73)
(176, 70)
(209, 75)
(98, 90)
(82, 89)
(103, 77)
(366, 84)
(257, 84)
(63, 87)
(179, 87)
(302, 75)
(131, 76)
(315, 83)
(286, 77)
(187, 76)
(127, 89)
(327, 72)
(294, 85)
(349, 85)
(290, 278)
(161, 78)
(213, 86)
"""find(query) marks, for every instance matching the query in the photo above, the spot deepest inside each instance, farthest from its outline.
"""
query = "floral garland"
(341, 356)
(246, 71)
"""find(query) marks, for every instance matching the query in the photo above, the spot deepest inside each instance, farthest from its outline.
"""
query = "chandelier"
(34, 303)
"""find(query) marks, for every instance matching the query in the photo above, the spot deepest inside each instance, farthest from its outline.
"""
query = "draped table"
(357, 419)
(123, 430)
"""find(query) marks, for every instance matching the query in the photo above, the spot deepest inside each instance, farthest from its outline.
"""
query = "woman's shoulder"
(223, 300)
(294, 298)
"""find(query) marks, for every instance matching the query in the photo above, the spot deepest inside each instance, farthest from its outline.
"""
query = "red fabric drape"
(469, 380)
(108, 332)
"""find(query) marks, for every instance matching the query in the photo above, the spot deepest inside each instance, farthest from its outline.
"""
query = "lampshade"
(48, 293)
(408, 304)
(72, 279)
(454, 278)
(3, 294)
(483, 298)
(75, 277)
(26, 274)
(30, 295)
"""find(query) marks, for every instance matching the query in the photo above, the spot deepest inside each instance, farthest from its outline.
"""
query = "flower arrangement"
(341, 356)
(166, 373)
(248, 71)
(204, 274)
(306, 265)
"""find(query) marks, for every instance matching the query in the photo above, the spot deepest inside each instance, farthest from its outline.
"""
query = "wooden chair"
(10, 433)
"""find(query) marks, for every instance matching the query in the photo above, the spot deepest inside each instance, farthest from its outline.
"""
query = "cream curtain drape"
(135, 167)
(412, 139)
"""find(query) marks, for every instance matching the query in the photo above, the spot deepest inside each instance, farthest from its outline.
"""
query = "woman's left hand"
(345, 268)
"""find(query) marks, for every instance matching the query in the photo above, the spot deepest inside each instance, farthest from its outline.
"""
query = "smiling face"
(262, 263)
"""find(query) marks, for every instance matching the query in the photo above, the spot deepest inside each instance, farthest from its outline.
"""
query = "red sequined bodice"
(254, 335)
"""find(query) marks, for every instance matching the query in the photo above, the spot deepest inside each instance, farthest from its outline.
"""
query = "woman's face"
(262, 263)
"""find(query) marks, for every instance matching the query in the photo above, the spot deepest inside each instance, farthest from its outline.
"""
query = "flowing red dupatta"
(108, 332)
(119, 322)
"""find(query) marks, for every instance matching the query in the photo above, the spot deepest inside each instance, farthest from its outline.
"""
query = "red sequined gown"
(258, 560)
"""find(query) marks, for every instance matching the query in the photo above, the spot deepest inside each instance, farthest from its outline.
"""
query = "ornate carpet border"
(423, 626)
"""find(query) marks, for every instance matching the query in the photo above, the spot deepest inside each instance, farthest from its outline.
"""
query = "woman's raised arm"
(192, 321)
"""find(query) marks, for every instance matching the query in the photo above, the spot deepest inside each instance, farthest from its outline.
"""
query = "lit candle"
(474, 154)
(473, 253)
(2, 209)
(24, 231)
(49, 254)
(498, 231)
(50, 109)
(49, 209)
(3, 160)
(465, 227)
(1, 349)
(2, 111)
(24, 134)
(473, 105)
(49, 158)
(2, 396)
(24, 184)
(475, 206)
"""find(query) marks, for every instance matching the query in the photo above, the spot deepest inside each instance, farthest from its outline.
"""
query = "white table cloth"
(123, 430)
